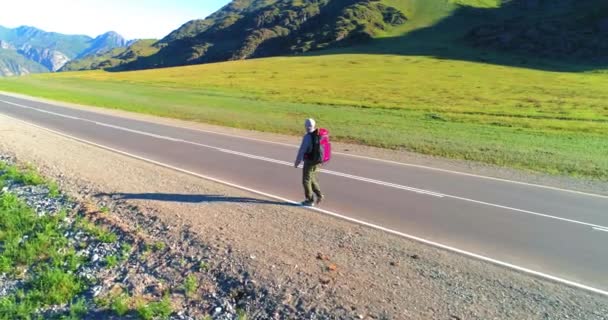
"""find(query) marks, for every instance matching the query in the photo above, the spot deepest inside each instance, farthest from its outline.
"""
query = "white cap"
(310, 124)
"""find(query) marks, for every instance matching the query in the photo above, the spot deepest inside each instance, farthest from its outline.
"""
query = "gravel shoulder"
(307, 260)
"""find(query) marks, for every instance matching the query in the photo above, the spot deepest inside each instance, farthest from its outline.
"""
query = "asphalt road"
(557, 233)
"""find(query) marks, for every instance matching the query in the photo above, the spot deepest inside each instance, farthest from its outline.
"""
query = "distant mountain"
(104, 43)
(114, 58)
(14, 64)
(49, 49)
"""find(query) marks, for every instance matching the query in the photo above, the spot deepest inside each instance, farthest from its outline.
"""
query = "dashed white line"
(334, 214)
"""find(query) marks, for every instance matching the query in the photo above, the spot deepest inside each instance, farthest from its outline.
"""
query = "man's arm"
(304, 148)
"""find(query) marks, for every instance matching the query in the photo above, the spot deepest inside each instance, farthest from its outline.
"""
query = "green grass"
(203, 266)
(111, 261)
(158, 246)
(96, 231)
(78, 310)
(241, 314)
(190, 286)
(155, 310)
(120, 304)
(34, 250)
(125, 251)
(549, 122)
(36, 244)
(27, 176)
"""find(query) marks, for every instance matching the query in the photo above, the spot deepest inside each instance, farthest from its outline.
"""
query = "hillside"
(114, 58)
(478, 30)
(259, 28)
(51, 50)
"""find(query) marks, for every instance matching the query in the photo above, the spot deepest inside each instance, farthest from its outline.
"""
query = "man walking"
(310, 145)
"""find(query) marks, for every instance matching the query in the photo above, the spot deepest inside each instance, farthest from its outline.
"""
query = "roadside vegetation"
(41, 269)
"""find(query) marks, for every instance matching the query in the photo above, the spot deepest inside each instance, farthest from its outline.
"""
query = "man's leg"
(316, 188)
(307, 182)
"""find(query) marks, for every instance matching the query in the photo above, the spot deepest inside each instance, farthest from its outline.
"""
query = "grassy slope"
(546, 121)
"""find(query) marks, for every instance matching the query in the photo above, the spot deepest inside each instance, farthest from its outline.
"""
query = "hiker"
(312, 153)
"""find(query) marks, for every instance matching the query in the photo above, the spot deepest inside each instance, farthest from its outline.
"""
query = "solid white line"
(330, 213)
(354, 155)
(382, 183)
(600, 229)
(525, 211)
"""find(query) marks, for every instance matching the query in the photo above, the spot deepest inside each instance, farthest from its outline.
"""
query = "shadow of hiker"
(190, 198)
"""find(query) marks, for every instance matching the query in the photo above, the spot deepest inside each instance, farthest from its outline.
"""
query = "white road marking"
(334, 214)
(383, 183)
(335, 173)
(600, 229)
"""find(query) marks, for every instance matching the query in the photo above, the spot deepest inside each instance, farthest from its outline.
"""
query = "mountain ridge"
(577, 31)
(50, 50)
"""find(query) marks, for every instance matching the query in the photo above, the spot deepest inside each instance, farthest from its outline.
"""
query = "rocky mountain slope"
(14, 64)
(48, 51)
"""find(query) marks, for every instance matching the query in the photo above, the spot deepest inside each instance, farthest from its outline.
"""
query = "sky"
(133, 19)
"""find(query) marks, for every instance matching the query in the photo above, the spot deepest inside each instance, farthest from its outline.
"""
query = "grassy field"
(544, 121)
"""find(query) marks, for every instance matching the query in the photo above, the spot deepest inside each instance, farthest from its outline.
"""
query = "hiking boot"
(308, 203)
(320, 199)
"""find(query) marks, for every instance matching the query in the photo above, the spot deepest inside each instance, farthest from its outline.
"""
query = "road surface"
(560, 234)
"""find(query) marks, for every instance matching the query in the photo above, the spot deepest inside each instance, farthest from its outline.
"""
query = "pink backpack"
(324, 145)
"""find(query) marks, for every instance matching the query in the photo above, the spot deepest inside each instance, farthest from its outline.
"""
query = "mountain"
(104, 43)
(113, 58)
(562, 30)
(259, 28)
(14, 64)
(49, 49)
